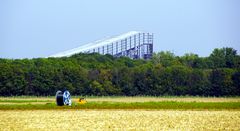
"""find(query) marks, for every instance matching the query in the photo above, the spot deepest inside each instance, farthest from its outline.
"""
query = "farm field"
(170, 98)
(119, 120)
(126, 99)
(176, 103)
(121, 113)
(160, 99)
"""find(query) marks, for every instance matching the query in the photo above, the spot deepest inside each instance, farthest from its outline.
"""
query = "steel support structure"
(133, 44)
(138, 46)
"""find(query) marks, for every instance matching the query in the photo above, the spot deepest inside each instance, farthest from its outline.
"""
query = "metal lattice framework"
(136, 45)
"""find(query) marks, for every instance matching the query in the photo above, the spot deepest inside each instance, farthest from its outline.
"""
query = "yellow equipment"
(82, 101)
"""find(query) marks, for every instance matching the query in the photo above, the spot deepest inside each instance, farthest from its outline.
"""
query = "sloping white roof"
(95, 44)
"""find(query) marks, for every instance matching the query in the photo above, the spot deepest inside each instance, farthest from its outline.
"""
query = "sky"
(39, 28)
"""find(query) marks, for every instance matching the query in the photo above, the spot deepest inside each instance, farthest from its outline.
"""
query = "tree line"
(95, 74)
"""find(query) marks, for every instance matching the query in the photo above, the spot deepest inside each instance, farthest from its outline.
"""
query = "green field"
(140, 102)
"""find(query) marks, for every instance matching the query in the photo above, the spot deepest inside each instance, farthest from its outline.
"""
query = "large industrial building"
(134, 44)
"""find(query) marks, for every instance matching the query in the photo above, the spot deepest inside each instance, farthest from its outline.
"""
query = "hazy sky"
(39, 28)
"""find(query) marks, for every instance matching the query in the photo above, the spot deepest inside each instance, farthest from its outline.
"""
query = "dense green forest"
(95, 74)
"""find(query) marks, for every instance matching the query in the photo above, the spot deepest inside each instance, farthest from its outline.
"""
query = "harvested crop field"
(119, 120)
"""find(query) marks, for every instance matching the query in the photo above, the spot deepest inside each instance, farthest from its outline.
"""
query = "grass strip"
(135, 105)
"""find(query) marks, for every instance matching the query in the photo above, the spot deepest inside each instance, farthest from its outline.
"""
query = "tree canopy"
(95, 74)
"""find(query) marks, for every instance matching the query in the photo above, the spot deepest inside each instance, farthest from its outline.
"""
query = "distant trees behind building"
(95, 74)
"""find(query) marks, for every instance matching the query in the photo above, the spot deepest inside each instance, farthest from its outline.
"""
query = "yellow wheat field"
(119, 120)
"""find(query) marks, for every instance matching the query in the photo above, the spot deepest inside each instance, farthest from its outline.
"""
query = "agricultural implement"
(64, 98)
(82, 101)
